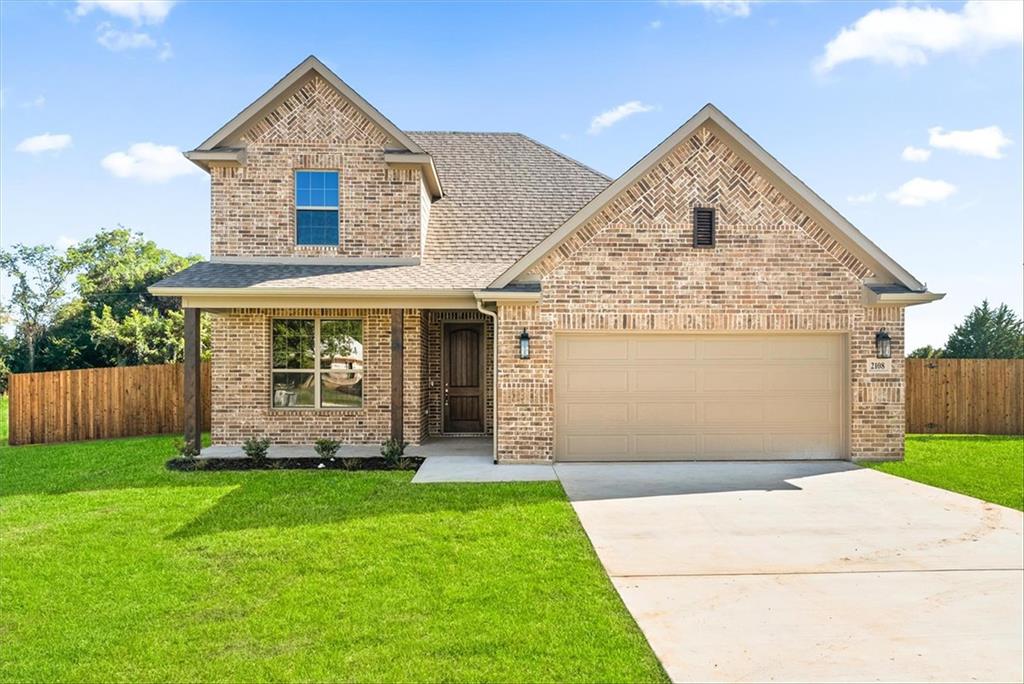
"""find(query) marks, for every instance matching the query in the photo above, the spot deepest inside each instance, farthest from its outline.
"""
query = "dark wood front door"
(463, 376)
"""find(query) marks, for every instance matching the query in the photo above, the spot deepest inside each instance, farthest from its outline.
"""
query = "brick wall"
(253, 211)
(241, 381)
(633, 267)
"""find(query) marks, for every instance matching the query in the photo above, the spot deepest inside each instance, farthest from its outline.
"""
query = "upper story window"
(316, 208)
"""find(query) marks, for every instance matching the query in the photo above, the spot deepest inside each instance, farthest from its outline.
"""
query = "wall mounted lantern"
(524, 344)
(883, 344)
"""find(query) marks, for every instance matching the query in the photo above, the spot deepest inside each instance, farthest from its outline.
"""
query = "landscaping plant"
(392, 450)
(256, 448)
(326, 448)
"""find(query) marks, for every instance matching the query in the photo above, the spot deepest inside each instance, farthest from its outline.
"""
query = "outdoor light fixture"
(883, 344)
(524, 344)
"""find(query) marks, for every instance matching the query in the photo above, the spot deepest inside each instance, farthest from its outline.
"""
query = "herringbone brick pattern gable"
(317, 113)
(702, 171)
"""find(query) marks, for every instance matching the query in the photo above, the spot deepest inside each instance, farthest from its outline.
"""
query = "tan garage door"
(648, 397)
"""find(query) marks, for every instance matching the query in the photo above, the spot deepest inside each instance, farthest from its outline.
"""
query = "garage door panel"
(732, 380)
(666, 413)
(664, 349)
(797, 411)
(591, 380)
(668, 379)
(734, 413)
(587, 414)
(801, 348)
(597, 447)
(734, 349)
(623, 396)
(594, 348)
(802, 379)
(671, 446)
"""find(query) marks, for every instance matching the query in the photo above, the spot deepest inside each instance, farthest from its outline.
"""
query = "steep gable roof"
(280, 89)
(883, 266)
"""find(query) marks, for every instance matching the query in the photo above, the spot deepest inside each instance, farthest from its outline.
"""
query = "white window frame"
(316, 370)
(296, 207)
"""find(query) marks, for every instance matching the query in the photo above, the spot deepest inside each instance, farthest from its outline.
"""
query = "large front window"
(316, 208)
(316, 363)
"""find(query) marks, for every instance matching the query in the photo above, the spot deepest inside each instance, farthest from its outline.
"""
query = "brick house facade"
(478, 238)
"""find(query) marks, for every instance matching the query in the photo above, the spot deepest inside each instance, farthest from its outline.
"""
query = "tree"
(927, 352)
(987, 333)
(40, 276)
(141, 338)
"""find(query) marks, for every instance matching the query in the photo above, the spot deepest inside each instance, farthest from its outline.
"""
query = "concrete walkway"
(470, 459)
(808, 571)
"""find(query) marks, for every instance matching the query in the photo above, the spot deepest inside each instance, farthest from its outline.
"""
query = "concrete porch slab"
(479, 469)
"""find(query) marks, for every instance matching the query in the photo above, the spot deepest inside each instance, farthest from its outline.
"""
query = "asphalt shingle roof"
(264, 276)
(504, 193)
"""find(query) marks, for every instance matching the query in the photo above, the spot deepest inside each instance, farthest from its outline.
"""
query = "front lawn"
(989, 467)
(114, 569)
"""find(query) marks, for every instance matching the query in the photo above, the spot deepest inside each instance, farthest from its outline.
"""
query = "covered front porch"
(358, 376)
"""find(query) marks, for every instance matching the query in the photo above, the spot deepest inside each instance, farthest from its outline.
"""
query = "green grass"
(3, 419)
(989, 467)
(114, 569)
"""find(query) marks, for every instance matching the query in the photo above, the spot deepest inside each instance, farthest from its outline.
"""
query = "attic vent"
(703, 227)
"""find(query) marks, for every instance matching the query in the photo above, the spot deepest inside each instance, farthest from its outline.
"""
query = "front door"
(463, 376)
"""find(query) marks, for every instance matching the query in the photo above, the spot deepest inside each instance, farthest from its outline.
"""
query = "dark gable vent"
(703, 227)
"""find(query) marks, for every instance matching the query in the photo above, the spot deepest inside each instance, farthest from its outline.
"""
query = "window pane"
(316, 189)
(338, 388)
(316, 227)
(341, 344)
(292, 390)
(292, 344)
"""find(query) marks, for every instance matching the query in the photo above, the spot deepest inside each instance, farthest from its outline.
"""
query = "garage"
(657, 397)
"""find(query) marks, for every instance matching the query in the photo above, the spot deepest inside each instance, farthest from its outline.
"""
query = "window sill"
(280, 410)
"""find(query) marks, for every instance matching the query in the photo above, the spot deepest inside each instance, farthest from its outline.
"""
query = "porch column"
(397, 373)
(193, 380)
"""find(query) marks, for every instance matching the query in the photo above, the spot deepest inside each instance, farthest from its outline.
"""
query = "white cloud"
(904, 35)
(165, 53)
(981, 142)
(148, 162)
(866, 198)
(47, 142)
(138, 11)
(725, 8)
(918, 192)
(613, 116)
(35, 103)
(915, 154)
(115, 40)
(656, 24)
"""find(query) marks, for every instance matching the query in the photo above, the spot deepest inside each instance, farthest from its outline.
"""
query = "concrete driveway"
(808, 571)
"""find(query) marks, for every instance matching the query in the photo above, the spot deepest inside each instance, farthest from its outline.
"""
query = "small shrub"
(351, 463)
(407, 463)
(184, 448)
(392, 451)
(326, 448)
(256, 448)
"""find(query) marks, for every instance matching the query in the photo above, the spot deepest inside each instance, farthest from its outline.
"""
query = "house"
(368, 282)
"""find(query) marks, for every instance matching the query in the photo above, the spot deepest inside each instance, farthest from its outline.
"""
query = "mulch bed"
(337, 463)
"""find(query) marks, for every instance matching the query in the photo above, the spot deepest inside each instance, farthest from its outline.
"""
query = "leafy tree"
(39, 278)
(142, 338)
(927, 352)
(987, 333)
(113, 320)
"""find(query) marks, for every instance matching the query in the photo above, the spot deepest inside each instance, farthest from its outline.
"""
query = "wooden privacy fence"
(965, 396)
(96, 403)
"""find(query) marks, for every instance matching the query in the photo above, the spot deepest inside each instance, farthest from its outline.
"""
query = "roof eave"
(871, 298)
(421, 160)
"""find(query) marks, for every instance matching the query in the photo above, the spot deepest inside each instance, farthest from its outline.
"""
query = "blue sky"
(97, 98)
